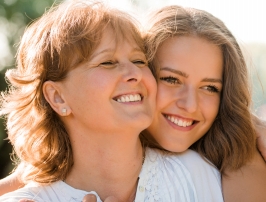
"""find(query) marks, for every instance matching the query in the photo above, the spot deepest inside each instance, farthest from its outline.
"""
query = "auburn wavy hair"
(231, 141)
(62, 38)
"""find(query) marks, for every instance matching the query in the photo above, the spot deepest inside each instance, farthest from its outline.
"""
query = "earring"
(64, 111)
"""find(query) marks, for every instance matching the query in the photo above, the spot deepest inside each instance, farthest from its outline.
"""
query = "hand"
(92, 198)
(260, 127)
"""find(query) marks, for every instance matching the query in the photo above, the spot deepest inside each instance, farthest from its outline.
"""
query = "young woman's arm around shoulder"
(246, 184)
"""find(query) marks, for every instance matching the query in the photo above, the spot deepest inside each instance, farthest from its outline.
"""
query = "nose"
(131, 73)
(187, 99)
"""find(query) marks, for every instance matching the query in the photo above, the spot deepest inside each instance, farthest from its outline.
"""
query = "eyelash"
(108, 63)
(111, 63)
(139, 61)
(174, 80)
(170, 79)
(212, 89)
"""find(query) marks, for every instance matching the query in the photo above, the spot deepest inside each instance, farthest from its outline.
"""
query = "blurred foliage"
(258, 59)
(14, 16)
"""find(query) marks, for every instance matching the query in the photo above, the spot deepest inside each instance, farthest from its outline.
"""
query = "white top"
(164, 177)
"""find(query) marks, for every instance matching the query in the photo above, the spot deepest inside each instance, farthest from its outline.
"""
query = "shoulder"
(23, 193)
(197, 164)
(246, 184)
(57, 191)
(190, 159)
(185, 171)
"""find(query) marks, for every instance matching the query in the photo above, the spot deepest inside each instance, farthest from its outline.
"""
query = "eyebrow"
(183, 74)
(101, 52)
(136, 49)
(175, 71)
(212, 80)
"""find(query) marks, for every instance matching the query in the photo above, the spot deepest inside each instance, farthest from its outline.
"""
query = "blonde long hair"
(62, 38)
(230, 142)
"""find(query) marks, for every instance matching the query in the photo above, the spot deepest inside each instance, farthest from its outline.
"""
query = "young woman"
(203, 97)
(81, 94)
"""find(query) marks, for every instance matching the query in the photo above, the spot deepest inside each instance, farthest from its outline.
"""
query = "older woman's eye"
(170, 80)
(108, 64)
(140, 63)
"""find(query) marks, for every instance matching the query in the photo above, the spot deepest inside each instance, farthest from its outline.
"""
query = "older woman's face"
(114, 90)
(189, 88)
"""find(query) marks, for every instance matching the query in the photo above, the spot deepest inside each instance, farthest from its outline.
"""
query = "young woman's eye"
(212, 89)
(170, 80)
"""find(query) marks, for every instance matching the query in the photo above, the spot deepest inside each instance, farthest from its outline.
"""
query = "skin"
(246, 184)
(261, 139)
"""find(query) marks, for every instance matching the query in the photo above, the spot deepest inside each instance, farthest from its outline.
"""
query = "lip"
(176, 127)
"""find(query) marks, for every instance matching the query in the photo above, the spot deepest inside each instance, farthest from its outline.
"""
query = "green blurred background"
(16, 14)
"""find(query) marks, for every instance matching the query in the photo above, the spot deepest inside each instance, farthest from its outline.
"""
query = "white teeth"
(172, 119)
(129, 98)
(179, 122)
(189, 123)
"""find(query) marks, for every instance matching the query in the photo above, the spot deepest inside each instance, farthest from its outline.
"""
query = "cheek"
(211, 107)
(94, 89)
(149, 81)
(165, 96)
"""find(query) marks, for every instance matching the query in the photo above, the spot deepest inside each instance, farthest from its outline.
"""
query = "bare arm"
(260, 126)
(247, 184)
(10, 183)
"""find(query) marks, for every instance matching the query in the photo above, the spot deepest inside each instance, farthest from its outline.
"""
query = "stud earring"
(64, 111)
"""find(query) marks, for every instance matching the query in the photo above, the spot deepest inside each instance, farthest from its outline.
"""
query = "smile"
(179, 121)
(129, 98)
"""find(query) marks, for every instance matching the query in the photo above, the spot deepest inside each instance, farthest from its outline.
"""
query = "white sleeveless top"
(184, 177)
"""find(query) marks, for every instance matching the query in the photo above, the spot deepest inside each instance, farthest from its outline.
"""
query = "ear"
(54, 96)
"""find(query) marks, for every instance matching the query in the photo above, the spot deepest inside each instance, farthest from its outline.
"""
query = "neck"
(107, 164)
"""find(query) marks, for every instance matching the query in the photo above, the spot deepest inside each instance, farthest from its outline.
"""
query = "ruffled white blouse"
(184, 177)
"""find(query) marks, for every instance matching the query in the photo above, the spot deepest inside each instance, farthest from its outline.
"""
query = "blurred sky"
(245, 18)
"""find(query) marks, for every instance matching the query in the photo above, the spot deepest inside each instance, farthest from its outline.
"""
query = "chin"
(144, 120)
(175, 147)
(141, 123)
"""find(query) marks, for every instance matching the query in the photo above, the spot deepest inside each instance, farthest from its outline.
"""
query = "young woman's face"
(114, 90)
(189, 89)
